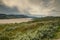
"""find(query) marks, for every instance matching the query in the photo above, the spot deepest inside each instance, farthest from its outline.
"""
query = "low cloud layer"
(34, 7)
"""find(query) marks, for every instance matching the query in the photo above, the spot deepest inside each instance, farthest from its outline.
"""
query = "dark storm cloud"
(7, 10)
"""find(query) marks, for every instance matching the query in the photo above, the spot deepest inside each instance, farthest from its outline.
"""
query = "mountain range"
(10, 16)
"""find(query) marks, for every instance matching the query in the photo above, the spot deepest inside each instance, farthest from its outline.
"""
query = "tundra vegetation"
(46, 28)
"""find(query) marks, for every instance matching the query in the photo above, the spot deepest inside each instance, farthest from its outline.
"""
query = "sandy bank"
(5, 21)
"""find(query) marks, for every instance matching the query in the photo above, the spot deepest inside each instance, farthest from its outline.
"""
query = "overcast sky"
(31, 7)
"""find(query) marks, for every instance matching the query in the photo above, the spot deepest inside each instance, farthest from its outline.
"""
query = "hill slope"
(38, 29)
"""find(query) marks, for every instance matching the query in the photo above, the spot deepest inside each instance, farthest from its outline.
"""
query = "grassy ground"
(47, 28)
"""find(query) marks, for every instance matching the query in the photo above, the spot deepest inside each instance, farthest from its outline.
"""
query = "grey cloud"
(43, 3)
(56, 10)
(0, 2)
(33, 7)
(53, 5)
(8, 10)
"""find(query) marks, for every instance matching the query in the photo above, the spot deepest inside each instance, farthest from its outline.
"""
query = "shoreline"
(20, 20)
